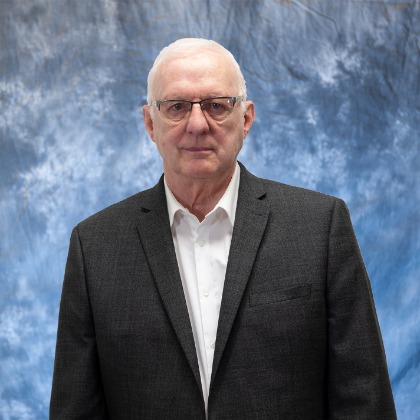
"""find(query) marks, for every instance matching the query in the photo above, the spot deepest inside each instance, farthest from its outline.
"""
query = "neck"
(199, 196)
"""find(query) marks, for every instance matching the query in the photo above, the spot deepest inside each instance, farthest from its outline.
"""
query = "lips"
(198, 149)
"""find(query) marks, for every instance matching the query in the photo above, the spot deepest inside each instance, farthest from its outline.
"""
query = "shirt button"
(206, 293)
(212, 344)
(201, 242)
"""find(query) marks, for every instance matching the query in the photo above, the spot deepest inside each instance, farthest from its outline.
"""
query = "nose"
(197, 121)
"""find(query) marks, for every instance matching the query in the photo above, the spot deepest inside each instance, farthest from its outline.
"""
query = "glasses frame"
(234, 99)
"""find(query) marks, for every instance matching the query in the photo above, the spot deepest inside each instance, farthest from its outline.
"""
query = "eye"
(178, 106)
(216, 106)
(175, 110)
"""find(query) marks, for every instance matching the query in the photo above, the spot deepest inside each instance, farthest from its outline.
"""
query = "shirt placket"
(206, 289)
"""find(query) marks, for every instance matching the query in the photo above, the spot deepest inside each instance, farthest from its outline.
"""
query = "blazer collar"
(250, 223)
(156, 240)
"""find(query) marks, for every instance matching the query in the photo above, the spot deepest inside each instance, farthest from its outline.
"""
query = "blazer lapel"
(250, 223)
(156, 239)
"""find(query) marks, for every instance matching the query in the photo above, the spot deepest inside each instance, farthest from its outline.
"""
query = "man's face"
(198, 147)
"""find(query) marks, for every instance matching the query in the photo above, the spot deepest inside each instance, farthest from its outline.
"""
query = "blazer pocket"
(294, 292)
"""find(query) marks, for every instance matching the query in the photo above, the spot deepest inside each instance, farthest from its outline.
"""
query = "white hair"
(184, 48)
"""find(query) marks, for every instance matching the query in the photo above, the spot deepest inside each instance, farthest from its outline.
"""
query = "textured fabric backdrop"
(337, 91)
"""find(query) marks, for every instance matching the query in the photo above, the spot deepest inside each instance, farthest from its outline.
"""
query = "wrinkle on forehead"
(203, 75)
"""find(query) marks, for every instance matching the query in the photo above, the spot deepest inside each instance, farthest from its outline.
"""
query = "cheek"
(166, 135)
(233, 137)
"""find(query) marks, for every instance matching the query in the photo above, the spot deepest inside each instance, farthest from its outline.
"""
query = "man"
(215, 293)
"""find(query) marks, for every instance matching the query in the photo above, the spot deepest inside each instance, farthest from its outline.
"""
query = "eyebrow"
(181, 97)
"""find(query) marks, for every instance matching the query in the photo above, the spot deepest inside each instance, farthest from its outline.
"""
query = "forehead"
(195, 77)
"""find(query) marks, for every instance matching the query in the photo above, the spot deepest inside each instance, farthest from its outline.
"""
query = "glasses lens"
(175, 110)
(217, 108)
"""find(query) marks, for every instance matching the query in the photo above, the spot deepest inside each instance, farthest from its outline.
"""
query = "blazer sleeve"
(76, 390)
(358, 384)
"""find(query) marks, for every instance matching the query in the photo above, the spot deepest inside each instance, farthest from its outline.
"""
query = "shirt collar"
(228, 201)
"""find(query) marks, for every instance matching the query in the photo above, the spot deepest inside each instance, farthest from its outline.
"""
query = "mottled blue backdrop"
(337, 91)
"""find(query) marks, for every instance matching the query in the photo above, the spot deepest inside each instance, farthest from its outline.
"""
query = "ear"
(148, 121)
(249, 116)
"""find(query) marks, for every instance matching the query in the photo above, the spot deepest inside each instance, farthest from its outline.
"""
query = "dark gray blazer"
(298, 336)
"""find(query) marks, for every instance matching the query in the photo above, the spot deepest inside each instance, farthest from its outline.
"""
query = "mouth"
(198, 149)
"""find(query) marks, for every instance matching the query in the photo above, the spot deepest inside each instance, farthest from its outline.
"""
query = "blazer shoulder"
(275, 191)
(126, 210)
(291, 192)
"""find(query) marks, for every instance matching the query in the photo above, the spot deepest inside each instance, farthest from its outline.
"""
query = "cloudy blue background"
(337, 91)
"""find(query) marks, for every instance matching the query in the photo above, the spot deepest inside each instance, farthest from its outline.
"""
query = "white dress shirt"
(202, 251)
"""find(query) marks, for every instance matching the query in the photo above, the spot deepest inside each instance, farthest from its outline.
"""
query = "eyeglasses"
(216, 108)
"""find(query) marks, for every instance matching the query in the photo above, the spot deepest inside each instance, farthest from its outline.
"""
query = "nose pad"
(197, 108)
(197, 120)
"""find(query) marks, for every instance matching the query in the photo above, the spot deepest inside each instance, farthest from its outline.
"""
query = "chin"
(201, 169)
